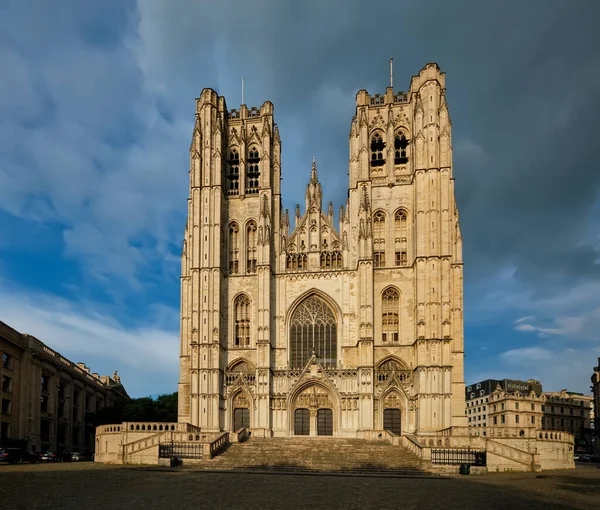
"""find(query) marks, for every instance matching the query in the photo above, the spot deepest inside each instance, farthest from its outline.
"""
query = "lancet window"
(251, 247)
(400, 149)
(313, 329)
(253, 172)
(389, 315)
(242, 321)
(377, 150)
(400, 236)
(331, 259)
(234, 248)
(379, 239)
(233, 173)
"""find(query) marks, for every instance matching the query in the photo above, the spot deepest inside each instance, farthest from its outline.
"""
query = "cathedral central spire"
(314, 193)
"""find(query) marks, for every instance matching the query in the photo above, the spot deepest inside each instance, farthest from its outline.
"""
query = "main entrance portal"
(313, 412)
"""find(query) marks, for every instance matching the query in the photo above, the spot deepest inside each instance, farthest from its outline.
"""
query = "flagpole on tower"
(242, 90)
(391, 73)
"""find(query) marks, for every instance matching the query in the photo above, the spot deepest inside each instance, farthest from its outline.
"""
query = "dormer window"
(253, 172)
(233, 173)
(377, 150)
(400, 149)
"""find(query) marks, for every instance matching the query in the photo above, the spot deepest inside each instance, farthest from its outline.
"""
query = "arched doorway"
(241, 418)
(240, 406)
(313, 329)
(391, 421)
(313, 412)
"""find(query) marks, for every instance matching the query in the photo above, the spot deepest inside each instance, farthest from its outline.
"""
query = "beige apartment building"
(46, 399)
(596, 394)
(477, 397)
(549, 411)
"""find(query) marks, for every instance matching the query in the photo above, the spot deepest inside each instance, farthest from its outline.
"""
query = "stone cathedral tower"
(318, 328)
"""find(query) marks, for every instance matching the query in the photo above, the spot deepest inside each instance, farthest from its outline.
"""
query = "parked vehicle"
(49, 457)
(80, 457)
(18, 455)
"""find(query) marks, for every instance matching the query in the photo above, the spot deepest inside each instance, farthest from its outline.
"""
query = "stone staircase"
(316, 454)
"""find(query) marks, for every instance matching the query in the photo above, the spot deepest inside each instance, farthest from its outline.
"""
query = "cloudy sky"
(96, 115)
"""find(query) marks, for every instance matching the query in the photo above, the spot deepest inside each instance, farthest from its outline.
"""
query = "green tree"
(162, 409)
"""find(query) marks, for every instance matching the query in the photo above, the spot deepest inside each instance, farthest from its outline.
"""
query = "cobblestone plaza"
(91, 485)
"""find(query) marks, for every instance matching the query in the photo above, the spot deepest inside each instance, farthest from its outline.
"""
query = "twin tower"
(310, 326)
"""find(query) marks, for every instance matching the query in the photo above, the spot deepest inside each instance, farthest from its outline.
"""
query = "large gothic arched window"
(242, 321)
(313, 328)
(389, 315)
(400, 237)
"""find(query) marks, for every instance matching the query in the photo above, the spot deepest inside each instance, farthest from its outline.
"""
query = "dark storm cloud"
(524, 89)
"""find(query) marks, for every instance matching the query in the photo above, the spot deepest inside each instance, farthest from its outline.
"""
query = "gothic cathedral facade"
(324, 328)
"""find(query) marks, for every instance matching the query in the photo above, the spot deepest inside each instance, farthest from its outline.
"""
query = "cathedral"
(306, 326)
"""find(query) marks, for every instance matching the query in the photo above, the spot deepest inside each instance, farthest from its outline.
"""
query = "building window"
(533, 420)
(517, 418)
(400, 236)
(234, 248)
(233, 174)
(400, 146)
(390, 301)
(242, 321)
(251, 247)
(253, 172)
(6, 383)
(313, 329)
(377, 150)
(379, 238)
(533, 407)
(502, 419)
(45, 383)
(516, 405)
(5, 406)
(495, 420)
(6, 360)
(44, 404)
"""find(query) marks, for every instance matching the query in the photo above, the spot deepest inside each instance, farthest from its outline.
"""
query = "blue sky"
(96, 115)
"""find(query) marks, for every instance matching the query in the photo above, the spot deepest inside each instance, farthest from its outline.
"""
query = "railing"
(181, 450)
(239, 436)
(510, 452)
(218, 444)
(413, 446)
(453, 457)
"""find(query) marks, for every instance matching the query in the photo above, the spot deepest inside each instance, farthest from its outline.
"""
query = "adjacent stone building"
(46, 399)
(572, 412)
(311, 326)
(477, 397)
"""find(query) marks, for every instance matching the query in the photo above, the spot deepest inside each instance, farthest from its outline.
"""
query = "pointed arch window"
(234, 248)
(253, 172)
(233, 173)
(313, 328)
(400, 236)
(251, 247)
(400, 149)
(390, 302)
(379, 239)
(242, 321)
(377, 150)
